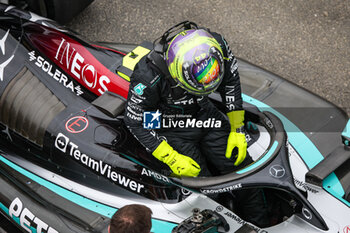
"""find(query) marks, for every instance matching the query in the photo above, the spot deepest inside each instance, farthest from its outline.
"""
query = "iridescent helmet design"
(195, 61)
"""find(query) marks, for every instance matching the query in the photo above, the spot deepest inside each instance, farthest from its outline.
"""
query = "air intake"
(27, 106)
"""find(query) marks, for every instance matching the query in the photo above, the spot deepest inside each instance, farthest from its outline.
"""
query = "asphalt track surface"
(306, 42)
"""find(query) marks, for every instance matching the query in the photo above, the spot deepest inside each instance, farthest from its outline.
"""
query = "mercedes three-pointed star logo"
(277, 171)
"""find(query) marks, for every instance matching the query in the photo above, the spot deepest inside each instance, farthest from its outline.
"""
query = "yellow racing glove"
(236, 137)
(180, 164)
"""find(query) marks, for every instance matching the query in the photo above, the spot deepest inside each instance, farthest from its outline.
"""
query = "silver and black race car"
(67, 161)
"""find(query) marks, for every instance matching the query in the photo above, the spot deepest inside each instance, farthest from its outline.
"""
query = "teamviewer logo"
(61, 142)
(151, 120)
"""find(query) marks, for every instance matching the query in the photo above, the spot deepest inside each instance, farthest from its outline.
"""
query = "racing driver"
(198, 62)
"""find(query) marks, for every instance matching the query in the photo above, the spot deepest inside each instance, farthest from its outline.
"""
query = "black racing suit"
(162, 93)
(151, 90)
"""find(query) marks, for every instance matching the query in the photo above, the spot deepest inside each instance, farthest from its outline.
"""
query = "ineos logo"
(277, 171)
(88, 73)
(71, 61)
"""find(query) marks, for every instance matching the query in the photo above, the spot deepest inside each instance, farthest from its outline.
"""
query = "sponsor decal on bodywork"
(242, 222)
(27, 219)
(78, 60)
(299, 177)
(155, 175)
(55, 73)
(222, 190)
(304, 186)
(64, 144)
(77, 66)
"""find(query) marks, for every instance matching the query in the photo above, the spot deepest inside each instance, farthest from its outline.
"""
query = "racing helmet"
(195, 61)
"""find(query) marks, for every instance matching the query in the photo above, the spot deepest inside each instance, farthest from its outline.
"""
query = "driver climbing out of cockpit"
(174, 82)
(199, 62)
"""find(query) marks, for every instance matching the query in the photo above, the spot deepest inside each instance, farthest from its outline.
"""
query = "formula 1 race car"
(67, 161)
